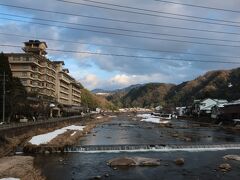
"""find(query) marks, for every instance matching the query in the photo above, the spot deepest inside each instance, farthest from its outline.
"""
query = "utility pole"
(4, 96)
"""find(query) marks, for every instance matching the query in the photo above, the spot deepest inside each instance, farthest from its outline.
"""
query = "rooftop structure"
(35, 47)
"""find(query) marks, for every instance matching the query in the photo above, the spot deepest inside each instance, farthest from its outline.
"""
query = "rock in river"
(225, 167)
(179, 161)
(133, 161)
(232, 157)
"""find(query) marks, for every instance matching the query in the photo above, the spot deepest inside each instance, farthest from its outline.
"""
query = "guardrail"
(17, 125)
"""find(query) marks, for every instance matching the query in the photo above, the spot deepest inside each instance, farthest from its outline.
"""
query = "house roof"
(208, 107)
(220, 101)
(216, 102)
(236, 102)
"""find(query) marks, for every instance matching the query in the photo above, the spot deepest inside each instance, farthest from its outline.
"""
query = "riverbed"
(126, 129)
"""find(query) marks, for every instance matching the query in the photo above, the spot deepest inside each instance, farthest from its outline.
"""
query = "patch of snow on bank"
(151, 118)
(145, 116)
(164, 122)
(10, 178)
(46, 138)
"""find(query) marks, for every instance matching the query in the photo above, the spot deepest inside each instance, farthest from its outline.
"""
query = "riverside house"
(231, 111)
(204, 107)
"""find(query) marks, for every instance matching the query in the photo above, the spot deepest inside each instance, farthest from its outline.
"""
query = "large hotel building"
(48, 78)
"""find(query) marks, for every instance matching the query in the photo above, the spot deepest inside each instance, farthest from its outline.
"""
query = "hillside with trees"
(148, 95)
(92, 101)
(221, 84)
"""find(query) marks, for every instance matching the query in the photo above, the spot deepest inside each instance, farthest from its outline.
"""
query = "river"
(127, 130)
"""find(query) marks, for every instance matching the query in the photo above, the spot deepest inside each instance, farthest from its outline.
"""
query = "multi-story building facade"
(48, 78)
(69, 90)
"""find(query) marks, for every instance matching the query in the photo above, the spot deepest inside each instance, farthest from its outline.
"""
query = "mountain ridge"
(217, 84)
(125, 89)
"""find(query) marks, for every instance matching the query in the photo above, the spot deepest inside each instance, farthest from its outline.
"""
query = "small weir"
(150, 148)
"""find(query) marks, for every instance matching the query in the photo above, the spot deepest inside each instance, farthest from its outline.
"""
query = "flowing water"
(201, 146)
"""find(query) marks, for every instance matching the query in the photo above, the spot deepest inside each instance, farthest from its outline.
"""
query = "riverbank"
(22, 167)
(207, 121)
(19, 167)
(10, 141)
(67, 138)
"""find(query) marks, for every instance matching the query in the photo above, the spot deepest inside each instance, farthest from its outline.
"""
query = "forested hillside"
(221, 84)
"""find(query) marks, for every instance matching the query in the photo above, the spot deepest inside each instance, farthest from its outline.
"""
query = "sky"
(146, 38)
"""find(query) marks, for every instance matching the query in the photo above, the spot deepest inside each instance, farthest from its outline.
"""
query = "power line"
(153, 11)
(132, 56)
(120, 29)
(122, 21)
(198, 6)
(122, 47)
(127, 35)
(147, 14)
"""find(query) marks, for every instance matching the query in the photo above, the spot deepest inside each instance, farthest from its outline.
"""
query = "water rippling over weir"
(150, 148)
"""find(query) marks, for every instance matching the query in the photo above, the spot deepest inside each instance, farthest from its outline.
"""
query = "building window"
(16, 58)
(24, 74)
(23, 81)
(24, 67)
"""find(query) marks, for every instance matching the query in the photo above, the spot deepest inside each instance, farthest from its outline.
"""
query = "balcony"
(77, 100)
(76, 95)
(64, 92)
(64, 86)
(64, 98)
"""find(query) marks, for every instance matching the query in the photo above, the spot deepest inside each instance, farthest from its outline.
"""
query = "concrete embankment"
(202, 121)
(207, 121)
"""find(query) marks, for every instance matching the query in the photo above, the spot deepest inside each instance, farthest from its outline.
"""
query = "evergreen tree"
(5, 69)
(16, 95)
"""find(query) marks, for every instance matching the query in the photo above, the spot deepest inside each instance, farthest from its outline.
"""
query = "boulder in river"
(232, 157)
(225, 167)
(97, 177)
(133, 161)
(179, 161)
(175, 135)
(187, 139)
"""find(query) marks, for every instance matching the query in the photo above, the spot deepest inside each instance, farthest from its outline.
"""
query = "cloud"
(122, 79)
(122, 71)
(91, 81)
